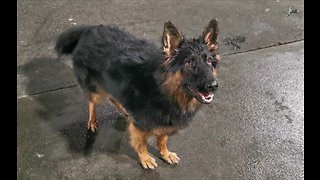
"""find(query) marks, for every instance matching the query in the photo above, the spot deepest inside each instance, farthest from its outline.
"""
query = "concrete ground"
(254, 129)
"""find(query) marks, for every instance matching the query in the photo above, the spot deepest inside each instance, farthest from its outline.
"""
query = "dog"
(160, 89)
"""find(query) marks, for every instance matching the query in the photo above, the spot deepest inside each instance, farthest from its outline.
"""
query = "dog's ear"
(171, 38)
(210, 35)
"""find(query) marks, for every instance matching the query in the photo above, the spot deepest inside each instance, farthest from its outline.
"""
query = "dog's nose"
(212, 86)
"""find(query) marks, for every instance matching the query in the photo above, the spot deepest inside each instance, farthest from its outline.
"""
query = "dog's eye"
(209, 60)
(189, 63)
(214, 64)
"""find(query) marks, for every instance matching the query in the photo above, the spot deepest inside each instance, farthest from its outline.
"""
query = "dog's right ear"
(211, 34)
(171, 39)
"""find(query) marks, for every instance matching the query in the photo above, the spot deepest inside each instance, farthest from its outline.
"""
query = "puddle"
(108, 137)
(234, 41)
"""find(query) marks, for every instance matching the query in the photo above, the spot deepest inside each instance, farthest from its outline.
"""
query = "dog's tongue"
(205, 94)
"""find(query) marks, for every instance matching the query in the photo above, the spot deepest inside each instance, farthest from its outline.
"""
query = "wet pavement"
(254, 129)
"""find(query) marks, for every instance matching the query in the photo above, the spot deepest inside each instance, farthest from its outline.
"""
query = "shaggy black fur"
(132, 70)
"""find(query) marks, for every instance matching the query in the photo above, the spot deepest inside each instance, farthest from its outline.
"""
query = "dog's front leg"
(168, 156)
(138, 140)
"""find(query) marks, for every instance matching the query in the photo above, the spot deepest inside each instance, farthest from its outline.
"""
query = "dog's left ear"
(171, 38)
(210, 35)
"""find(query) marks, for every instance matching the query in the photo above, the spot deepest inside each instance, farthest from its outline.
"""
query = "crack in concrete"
(48, 91)
(260, 48)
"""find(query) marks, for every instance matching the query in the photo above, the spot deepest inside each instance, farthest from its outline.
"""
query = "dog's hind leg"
(94, 93)
(94, 99)
(169, 157)
(119, 106)
(138, 140)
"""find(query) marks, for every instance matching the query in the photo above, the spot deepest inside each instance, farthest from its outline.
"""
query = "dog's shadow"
(64, 108)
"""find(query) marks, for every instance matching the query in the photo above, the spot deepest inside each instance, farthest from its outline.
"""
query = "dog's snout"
(212, 86)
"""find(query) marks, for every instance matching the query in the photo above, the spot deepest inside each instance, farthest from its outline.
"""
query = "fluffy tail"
(68, 40)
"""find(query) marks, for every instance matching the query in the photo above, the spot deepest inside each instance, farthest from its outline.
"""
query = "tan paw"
(93, 126)
(171, 157)
(148, 162)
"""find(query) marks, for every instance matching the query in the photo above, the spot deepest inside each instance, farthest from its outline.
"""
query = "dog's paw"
(171, 157)
(93, 126)
(147, 162)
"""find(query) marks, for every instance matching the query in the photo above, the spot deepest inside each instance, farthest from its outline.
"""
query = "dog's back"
(106, 42)
(107, 51)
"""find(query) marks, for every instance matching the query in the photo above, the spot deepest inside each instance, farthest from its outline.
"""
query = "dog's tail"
(68, 40)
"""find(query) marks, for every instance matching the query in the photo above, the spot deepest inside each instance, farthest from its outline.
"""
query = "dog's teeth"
(207, 98)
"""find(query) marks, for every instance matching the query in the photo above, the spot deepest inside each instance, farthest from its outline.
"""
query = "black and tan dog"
(160, 89)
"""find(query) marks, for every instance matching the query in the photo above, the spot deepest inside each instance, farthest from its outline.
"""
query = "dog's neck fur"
(171, 85)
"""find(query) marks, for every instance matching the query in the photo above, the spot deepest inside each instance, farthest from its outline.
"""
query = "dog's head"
(194, 60)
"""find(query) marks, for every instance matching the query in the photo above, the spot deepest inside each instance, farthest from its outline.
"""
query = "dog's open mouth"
(202, 97)
(206, 97)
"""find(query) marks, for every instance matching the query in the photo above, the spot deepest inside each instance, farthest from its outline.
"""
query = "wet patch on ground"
(235, 41)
